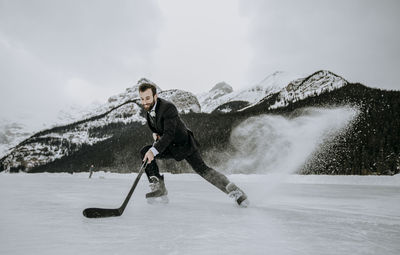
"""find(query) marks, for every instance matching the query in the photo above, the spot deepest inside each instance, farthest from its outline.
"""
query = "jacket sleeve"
(170, 117)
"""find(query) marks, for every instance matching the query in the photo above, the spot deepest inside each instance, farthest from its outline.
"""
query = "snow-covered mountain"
(290, 88)
(184, 101)
(101, 122)
(73, 130)
(211, 99)
(222, 93)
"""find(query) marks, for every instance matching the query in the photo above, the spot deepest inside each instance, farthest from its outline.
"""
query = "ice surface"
(289, 214)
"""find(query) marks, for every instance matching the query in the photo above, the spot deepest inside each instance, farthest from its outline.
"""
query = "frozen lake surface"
(42, 214)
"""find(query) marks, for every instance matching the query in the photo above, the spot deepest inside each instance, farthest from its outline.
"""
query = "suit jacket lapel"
(157, 110)
(157, 118)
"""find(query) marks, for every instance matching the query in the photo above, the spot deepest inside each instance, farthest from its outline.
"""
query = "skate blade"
(245, 203)
(158, 200)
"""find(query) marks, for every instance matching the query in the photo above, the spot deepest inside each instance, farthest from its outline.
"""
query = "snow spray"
(281, 145)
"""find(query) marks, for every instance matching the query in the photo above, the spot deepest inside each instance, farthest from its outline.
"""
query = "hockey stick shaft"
(125, 203)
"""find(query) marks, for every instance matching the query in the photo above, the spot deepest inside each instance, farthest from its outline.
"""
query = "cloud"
(50, 48)
(46, 44)
(78, 89)
(202, 43)
(357, 39)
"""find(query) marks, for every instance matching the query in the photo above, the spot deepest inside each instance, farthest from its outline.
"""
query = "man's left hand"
(149, 156)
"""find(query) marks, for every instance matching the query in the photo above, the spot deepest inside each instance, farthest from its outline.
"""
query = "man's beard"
(150, 106)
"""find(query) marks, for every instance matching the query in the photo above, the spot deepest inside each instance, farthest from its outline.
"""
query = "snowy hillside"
(11, 133)
(14, 131)
(288, 215)
(48, 145)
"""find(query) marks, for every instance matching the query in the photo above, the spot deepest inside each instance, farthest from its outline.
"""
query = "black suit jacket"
(176, 139)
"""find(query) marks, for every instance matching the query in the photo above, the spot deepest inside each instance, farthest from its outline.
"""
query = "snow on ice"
(276, 144)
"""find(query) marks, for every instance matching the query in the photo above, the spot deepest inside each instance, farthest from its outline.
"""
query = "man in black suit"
(172, 139)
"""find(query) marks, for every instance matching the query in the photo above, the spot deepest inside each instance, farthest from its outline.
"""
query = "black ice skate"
(238, 194)
(158, 190)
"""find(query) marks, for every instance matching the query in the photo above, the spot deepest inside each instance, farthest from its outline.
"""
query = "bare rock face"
(222, 87)
(185, 101)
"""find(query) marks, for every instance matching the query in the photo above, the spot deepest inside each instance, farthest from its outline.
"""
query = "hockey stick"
(103, 212)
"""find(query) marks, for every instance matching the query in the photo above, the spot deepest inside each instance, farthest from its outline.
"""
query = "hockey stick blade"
(101, 212)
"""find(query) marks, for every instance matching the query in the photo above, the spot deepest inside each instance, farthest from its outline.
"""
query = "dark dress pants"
(195, 161)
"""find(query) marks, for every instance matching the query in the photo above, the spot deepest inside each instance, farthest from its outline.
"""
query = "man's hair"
(145, 86)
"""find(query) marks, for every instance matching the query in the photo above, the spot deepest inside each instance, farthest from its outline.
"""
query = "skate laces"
(234, 191)
(236, 194)
(154, 184)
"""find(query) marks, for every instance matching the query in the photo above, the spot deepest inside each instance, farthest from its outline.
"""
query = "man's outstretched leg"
(217, 179)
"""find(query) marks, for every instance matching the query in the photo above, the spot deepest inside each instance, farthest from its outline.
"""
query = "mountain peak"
(131, 92)
(325, 73)
(222, 93)
(225, 87)
(314, 84)
(145, 80)
(277, 73)
(184, 101)
(318, 78)
(276, 81)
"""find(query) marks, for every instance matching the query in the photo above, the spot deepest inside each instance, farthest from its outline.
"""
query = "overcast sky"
(57, 53)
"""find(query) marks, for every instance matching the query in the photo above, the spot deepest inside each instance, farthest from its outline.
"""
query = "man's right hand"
(148, 157)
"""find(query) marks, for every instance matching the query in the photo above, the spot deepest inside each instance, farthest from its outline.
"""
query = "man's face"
(147, 99)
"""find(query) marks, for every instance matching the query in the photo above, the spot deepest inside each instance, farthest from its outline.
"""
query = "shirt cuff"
(154, 150)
